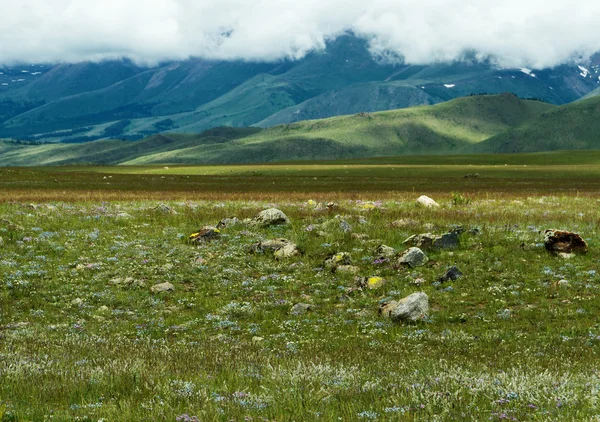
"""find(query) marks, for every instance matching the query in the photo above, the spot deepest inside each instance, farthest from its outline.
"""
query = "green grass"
(506, 340)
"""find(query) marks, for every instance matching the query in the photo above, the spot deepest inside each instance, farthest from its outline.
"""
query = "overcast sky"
(532, 33)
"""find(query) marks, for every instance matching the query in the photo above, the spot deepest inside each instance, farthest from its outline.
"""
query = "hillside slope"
(573, 126)
(438, 129)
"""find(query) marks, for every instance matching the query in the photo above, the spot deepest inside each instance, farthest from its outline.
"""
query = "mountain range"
(75, 103)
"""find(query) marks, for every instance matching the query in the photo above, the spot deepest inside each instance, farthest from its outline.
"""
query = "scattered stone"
(127, 281)
(452, 274)
(77, 302)
(165, 209)
(412, 308)
(103, 309)
(403, 223)
(270, 217)
(228, 222)
(565, 255)
(563, 242)
(205, 234)
(471, 176)
(287, 251)
(413, 257)
(563, 282)
(301, 308)
(257, 339)
(162, 287)
(384, 251)
(269, 245)
(370, 282)
(346, 269)
(430, 241)
(359, 236)
(123, 215)
(427, 202)
(331, 206)
(341, 258)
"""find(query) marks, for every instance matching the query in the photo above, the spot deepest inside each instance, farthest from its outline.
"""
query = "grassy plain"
(516, 338)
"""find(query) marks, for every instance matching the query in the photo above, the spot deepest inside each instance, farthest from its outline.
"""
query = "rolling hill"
(438, 129)
(573, 126)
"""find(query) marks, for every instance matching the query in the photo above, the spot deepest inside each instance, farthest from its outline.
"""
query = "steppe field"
(110, 311)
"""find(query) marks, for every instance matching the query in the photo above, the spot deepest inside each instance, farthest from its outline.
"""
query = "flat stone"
(384, 251)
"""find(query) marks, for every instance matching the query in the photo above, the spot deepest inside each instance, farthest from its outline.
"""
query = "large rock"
(413, 257)
(430, 241)
(162, 288)
(563, 242)
(270, 217)
(412, 308)
(427, 202)
(205, 234)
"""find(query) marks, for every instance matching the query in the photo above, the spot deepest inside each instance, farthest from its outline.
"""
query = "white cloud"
(532, 33)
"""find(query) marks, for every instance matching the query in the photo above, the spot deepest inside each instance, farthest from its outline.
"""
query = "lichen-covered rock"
(384, 251)
(162, 288)
(340, 258)
(270, 217)
(427, 202)
(346, 269)
(205, 234)
(563, 242)
(430, 241)
(404, 222)
(370, 282)
(412, 308)
(165, 209)
(413, 257)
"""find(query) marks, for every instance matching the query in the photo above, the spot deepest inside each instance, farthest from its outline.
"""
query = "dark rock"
(563, 242)
(452, 274)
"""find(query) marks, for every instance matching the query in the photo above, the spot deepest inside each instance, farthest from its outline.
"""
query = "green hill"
(573, 126)
(438, 129)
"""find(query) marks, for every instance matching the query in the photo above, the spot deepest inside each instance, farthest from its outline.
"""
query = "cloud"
(531, 33)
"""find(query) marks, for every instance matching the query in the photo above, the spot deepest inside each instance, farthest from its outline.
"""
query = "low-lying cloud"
(531, 33)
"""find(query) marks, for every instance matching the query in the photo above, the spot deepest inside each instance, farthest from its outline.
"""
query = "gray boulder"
(413, 257)
(412, 308)
(430, 241)
(270, 217)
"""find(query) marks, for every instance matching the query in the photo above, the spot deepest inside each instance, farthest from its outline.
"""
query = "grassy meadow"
(83, 336)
